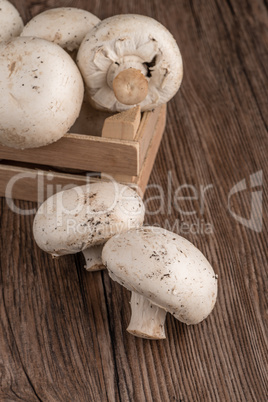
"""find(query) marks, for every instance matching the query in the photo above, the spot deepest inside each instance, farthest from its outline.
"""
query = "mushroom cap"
(165, 268)
(11, 23)
(41, 92)
(133, 40)
(66, 26)
(75, 219)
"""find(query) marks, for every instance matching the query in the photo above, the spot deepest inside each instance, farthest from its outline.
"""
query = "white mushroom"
(65, 26)
(86, 216)
(41, 92)
(11, 23)
(130, 59)
(165, 273)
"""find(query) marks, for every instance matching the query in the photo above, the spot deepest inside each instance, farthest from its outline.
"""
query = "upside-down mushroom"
(165, 273)
(85, 217)
(130, 59)
(66, 26)
(41, 92)
(11, 23)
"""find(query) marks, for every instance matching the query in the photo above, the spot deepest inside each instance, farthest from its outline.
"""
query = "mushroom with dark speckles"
(11, 23)
(168, 275)
(41, 92)
(66, 26)
(85, 217)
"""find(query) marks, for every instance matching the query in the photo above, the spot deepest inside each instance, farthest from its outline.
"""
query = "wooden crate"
(82, 155)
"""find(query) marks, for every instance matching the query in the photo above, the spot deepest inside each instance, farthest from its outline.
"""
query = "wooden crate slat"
(29, 185)
(142, 179)
(126, 161)
(147, 127)
(149, 158)
(93, 153)
(82, 152)
(123, 125)
(35, 184)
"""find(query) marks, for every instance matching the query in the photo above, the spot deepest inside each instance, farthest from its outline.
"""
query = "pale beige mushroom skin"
(11, 23)
(165, 273)
(65, 26)
(41, 92)
(86, 216)
(130, 86)
(126, 42)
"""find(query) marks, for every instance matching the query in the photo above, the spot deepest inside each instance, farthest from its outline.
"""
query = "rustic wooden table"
(63, 330)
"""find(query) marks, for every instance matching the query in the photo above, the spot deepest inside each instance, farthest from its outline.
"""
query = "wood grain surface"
(63, 330)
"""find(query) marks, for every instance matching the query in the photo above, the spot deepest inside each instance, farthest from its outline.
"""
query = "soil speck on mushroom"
(32, 91)
(193, 296)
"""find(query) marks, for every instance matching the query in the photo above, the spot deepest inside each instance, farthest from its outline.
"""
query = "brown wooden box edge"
(126, 161)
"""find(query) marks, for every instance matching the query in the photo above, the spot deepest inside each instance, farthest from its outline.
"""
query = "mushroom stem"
(147, 320)
(93, 258)
(130, 86)
(128, 80)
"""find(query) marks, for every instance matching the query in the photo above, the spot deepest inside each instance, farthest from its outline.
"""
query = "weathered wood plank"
(62, 329)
